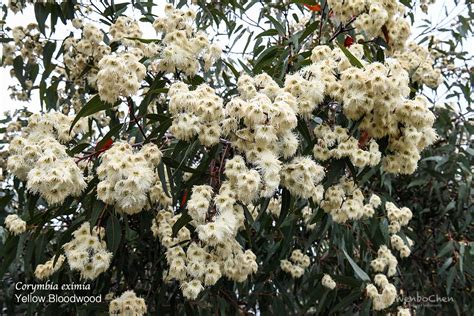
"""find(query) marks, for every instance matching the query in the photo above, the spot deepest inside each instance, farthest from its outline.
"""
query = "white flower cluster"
(259, 123)
(125, 28)
(418, 62)
(216, 254)
(399, 245)
(38, 157)
(162, 228)
(308, 88)
(327, 63)
(44, 271)
(296, 265)
(85, 53)
(182, 46)
(302, 176)
(376, 95)
(375, 18)
(386, 298)
(385, 260)
(127, 176)
(403, 311)
(28, 47)
(424, 4)
(17, 5)
(397, 217)
(307, 213)
(15, 224)
(128, 304)
(87, 251)
(196, 112)
(119, 75)
(158, 194)
(217, 218)
(26, 42)
(416, 135)
(274, 206)
(244, 182)
(328, 282)
(344, 201)
(337, 144)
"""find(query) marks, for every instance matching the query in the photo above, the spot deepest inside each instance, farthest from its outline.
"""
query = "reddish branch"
(343, 29)
(321, 22)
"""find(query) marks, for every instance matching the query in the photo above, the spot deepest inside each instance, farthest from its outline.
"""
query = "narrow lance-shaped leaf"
(352, 59)
(113, 233)
(361, 274)
(184, 219)
(93, 106)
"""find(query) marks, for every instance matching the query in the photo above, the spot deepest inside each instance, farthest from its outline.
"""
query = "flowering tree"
(244, 157)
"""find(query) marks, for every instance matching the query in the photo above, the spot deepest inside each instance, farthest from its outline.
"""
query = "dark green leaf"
(93, 106)
(361, 274)
(184, 219)
(113, 233)
(352, 59)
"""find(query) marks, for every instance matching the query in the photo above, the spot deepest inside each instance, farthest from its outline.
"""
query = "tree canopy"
(238, 157)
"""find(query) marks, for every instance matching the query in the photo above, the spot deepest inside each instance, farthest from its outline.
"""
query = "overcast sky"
(435, 13)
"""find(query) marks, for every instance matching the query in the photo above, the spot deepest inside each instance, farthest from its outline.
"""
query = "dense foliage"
(253, 174)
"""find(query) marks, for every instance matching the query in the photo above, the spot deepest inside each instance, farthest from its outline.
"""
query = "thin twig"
(132, 114)
(342, 29)
(321, 22)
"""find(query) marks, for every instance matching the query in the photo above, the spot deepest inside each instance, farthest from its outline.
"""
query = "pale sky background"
(435, 13)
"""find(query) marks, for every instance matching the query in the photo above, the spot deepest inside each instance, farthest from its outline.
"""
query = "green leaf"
(51, 95)
(280, 28)
(97, 209)
(335, 170)
(113, 233)
(48, 52)
(447, 263)
(304, 131)
(267, 56)
(177, 165)
(18, 69)
(308, 31)
(352, 59)
(354, 295)
(448, 247)
(184, 219)
(77, 149)
(93, 106)
(285, 206)
(270, 32)
(115, 10)
(361, 274)
(309, 2)
(162, 176)
(450, 279)
(417, 182)
(144, 40)
(8, 253)
(41, 14)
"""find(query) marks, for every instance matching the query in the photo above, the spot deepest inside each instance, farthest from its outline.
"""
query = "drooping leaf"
(352, 59)
(94, 105)
(361, 274)
(182, 221)
(41, 13)
(113, 233)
